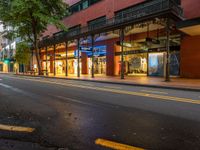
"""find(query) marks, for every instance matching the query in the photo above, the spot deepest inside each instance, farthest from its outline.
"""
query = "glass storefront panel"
(136, 64)
(60, 67)
(72, 66)
(175, 63)
(99, 65)
(156, 64)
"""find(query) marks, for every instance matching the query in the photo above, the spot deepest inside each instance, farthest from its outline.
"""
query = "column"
(167, 75)
(66, 59)
(46, 61)
(32, 67)
(54, 63)
(122, 52)
(78, 65)
(92, 73)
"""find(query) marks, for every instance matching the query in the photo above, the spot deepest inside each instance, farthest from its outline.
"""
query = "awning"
(190, 27)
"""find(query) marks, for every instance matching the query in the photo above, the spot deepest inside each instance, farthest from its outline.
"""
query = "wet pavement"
(74, 114)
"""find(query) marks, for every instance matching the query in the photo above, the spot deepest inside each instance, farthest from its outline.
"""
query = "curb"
(120, 83)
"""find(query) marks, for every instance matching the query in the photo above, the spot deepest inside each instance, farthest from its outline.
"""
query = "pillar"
(167, 76)
(66, 59)
(78, 65)
(122, 52)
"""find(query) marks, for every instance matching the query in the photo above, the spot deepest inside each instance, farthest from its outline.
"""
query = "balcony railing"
(140, 11)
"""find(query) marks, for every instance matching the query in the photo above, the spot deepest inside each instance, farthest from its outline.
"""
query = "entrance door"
(1, 67)
(156, 64)
(99, 65)
(60, 67)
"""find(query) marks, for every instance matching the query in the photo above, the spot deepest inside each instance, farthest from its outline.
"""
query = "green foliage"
(30, 18)
(23, 53)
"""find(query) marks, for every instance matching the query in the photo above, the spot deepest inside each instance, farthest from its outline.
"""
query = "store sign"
(131, 52)
(98, 51)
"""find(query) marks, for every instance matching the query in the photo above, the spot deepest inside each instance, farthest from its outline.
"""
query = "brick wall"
(191, 8)
(190, 57)
(102, 8)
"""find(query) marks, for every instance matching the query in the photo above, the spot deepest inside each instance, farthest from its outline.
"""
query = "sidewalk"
(175, 83)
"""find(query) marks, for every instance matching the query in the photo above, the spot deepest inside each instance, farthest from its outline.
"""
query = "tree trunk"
(38, 55)
(24, 68)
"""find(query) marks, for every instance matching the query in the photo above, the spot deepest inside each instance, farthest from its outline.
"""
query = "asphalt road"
(79, 115)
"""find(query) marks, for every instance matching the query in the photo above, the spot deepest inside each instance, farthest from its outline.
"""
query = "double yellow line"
(119, 91)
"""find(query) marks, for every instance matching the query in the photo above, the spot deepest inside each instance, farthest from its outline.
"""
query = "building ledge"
(190, 27)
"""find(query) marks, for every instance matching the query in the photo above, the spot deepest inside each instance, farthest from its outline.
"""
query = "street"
(43, 113)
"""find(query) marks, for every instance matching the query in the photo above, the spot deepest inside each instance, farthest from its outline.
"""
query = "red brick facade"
(103, 8)
(190, 57)
(191, 8)
(190, 48)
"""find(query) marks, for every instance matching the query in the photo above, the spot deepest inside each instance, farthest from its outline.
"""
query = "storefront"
(99, 60)
(136, 64)
(73, 62)
(156, 64)
(148, 61)
(1, 66)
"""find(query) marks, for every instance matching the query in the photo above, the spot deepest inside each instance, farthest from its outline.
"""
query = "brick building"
(149, 37)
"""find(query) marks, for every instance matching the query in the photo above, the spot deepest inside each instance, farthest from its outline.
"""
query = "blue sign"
(98, 51)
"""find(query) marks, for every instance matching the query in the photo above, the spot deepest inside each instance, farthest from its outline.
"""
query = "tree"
(23, 53)
(30, 18)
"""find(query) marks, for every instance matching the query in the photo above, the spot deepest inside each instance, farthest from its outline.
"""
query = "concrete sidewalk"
(157, 82)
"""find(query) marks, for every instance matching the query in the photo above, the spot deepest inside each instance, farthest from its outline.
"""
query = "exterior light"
(6, 61)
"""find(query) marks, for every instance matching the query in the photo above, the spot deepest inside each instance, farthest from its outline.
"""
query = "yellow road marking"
(142, 94)
(16, 128)
(86, 84)
(151, 91)
(115, 145)
(113, 87)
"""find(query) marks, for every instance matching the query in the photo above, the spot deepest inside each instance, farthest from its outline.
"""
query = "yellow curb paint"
(16, 128)
(115, 145)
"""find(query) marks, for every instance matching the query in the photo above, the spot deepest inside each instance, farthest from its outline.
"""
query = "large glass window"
(99, 22)
(93, 1)
(156, 64)
(85, 4)
(136, 64)
(175, 63)
(75, 8)
(74, 30)
(81, 5)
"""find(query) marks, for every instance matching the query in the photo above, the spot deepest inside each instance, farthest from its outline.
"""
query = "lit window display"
(60, 67)
(73, 63)
(156, 64)
(136, 64)
(99, 65)
(99, 60)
